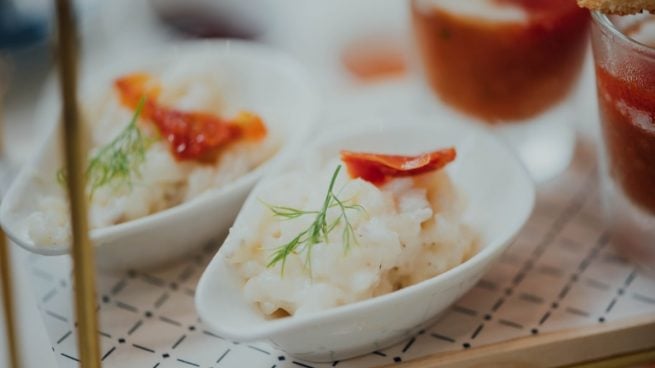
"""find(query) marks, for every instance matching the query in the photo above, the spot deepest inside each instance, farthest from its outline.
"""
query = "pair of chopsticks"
(82, 253)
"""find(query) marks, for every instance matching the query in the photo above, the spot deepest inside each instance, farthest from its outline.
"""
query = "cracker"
(621, 7)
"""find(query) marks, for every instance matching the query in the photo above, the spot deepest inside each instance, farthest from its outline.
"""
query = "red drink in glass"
(624, 52)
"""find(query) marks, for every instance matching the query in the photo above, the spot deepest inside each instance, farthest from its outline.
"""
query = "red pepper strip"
(192, 135)
(131, 88)
(378, 168)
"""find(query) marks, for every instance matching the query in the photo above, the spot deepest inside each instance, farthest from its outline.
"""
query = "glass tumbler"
(510, 64)
(624, 59)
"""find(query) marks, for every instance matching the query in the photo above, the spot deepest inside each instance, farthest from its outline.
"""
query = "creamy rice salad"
(161, 179)
(395, 234)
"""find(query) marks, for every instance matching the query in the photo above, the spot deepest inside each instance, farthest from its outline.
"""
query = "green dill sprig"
(117, 162)
(319, 230)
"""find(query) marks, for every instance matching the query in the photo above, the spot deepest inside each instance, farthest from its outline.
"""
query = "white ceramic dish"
(500, 198)
(256, 78)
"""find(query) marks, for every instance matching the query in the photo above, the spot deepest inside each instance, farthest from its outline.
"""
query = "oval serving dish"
(252, 77)
(499, 194)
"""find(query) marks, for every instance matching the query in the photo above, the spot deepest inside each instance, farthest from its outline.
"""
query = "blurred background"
(359, 52)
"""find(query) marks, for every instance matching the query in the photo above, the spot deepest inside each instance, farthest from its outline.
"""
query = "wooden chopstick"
(6, 284)
(75, 158)
(8, 302)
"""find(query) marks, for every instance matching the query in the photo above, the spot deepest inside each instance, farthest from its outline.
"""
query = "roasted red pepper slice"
(379, 168)
(192, 135)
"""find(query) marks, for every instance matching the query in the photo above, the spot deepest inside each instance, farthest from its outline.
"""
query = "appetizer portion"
(331, 236)
(156, 141)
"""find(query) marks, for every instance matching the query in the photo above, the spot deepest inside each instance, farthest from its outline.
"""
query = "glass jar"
(624, 59)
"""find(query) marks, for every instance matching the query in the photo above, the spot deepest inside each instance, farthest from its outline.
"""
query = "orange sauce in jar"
(502, 69)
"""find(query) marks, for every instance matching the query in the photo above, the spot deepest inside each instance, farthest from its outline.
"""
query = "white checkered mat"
(561, 272)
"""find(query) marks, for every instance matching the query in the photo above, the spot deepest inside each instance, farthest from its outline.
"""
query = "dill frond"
(116, 162)
(286, 213)
(119, 161)
(319, 230)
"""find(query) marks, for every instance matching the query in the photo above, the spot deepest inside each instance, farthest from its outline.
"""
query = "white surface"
(496, 210)
(256, 78)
